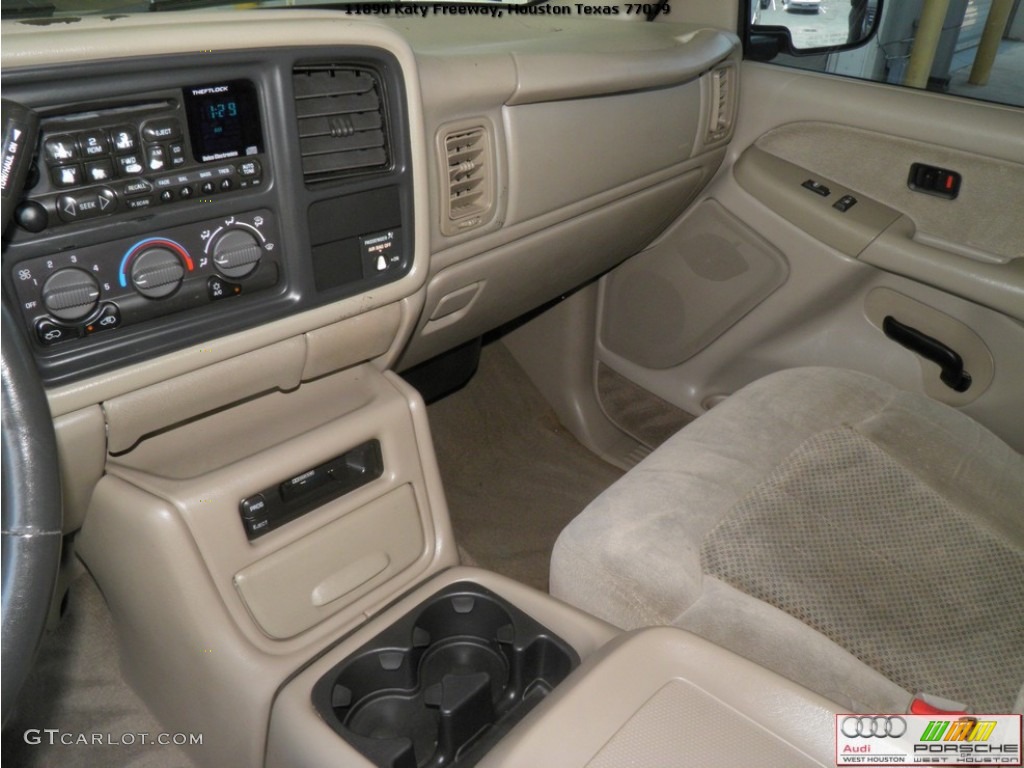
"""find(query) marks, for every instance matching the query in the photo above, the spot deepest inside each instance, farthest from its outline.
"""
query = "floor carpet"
(76, 688)
(513, 475)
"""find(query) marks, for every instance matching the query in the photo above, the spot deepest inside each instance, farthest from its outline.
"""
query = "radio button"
(164, 129)
(135, 203)
(60, 149)
(249, 169)
(208, 188)
(156, 158)
(92, 143)
(167, 196)
(137, 187)
(177, 154)
(226, 185)
(99, 171)
(130, 165)
(123, 139)
(67, 175)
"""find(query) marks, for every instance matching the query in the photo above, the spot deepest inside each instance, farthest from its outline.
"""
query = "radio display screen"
(223, 120)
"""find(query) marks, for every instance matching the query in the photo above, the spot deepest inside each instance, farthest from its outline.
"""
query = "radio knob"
(236, 253)
(157, 272)
(71, 294)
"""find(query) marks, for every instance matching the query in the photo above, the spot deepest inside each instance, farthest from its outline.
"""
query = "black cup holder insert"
(442, 685)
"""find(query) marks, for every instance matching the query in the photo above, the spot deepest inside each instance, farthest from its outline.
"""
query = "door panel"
(955, 268)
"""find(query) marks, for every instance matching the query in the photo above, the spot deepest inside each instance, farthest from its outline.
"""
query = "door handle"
(953, 374)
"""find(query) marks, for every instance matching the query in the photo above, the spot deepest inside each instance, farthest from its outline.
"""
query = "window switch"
(845, 203)
(817, 187)
(934, 181)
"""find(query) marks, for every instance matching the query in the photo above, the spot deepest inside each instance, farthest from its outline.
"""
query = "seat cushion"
(863, 541)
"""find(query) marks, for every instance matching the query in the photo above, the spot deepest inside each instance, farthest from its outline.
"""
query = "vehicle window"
(971, 48)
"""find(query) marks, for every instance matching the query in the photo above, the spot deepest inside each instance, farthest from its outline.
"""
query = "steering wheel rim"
(32, 513)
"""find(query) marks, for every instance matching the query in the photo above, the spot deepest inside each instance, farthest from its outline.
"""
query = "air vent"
(469, 186)
(341, 122)
(723, 103)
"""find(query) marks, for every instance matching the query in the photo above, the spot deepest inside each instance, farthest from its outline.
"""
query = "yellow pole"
(998, 15)
(926, 42)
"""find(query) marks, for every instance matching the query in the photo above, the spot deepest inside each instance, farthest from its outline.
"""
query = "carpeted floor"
(514, 477)
(76, 687)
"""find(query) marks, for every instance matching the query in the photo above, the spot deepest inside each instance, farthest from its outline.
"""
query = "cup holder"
(444, 683)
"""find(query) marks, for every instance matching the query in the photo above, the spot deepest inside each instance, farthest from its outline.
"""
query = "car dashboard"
(237, 228)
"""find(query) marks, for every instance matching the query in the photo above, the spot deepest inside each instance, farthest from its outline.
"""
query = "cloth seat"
(863, 541)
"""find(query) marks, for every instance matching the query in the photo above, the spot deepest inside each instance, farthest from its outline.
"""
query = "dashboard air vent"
(469, 186)
(723, 103)
(341, 121)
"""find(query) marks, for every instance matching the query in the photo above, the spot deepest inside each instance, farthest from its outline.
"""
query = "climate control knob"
(236, 253)
(157, 272)
(71, 294)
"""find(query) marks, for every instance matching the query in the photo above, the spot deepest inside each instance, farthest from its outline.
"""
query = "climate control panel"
(81, 292)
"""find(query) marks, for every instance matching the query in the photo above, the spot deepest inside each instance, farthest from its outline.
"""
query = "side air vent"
(722, 103)
(342, 131)
(467, 167)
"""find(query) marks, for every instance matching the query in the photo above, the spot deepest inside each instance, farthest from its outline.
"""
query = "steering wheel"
(31, 497)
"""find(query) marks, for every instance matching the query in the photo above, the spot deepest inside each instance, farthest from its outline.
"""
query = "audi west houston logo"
(877, 726)
(891, 739)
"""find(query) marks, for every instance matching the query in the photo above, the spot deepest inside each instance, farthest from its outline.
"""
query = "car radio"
(191, 143)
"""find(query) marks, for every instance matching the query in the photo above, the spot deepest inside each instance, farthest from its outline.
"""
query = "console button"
(60, 149)
(177, 154)
(31, 216)
(185, 192)
(226, 185)
(86, 205)
(123, 139)
(49, 332)
(167, 196)
(99, 171)
(92, 143)
(109, 319)
(135, 203)
(67, 175)
(249, 169)
(107, 200)
(156, 158)
(207, 188)
(218, 288)
(163, 129)
(130, 165)
(137, 187)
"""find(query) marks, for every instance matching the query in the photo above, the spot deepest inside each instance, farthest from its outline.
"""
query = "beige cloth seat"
(863, 541)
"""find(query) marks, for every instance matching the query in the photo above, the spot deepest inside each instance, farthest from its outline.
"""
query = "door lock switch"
(817, 187)
(845, 203)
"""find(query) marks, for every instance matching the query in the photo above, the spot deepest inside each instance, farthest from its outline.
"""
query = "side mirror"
(811, 27)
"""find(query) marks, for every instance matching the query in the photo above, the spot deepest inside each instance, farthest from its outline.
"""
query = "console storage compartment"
(654, 697)
(445, 682)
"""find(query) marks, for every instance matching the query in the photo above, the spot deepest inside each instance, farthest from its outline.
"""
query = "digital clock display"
(223, 120)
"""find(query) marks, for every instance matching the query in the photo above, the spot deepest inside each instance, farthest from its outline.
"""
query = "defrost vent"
(467, 157)
(342, 129)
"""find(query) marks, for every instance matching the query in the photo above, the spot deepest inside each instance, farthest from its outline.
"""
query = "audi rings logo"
(874, 727)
